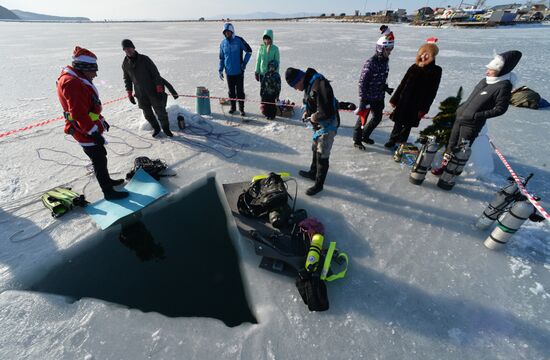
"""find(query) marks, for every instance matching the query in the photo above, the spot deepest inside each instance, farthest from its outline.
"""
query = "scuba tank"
(314, 253)
(509, 224)
(454, 168)
(424, 160)
(504, 198)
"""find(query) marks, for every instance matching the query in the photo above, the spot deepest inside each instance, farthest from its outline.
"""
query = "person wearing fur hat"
(142, 76)
(372, 88)
(321, 109)
(415, 94)
(234, 64)
(79, 99)
(490, 98)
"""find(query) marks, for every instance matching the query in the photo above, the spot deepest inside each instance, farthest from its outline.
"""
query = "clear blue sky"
(191, 9)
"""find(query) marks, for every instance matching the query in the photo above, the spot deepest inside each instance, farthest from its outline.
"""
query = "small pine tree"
(444, 120)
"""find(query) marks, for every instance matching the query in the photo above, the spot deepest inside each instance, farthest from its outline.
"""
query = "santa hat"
(505, 62)
(84, 59)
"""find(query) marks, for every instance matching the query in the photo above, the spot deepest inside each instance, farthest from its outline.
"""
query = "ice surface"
(421, 285)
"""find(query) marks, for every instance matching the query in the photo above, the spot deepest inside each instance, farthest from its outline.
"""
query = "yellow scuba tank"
(314, 253)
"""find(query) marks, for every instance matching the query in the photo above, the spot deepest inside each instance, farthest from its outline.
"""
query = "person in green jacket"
(267, 54)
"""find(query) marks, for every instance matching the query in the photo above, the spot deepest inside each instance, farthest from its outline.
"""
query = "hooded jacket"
(319, 100)
(81, 105)
(265, 56)
(417, 91)
(373, 78)
(485, 101)
(231, 53)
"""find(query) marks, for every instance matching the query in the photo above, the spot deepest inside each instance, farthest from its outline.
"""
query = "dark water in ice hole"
(175, 258)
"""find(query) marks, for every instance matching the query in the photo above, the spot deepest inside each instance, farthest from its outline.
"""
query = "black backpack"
(263, 196)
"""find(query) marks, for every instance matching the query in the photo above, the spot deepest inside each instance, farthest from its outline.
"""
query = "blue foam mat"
(143, 191)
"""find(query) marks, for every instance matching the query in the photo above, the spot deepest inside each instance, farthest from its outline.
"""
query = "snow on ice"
(421, 285)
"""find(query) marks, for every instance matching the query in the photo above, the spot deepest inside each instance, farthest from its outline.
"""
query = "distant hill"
(265, 15)
(25, 15)
(5, 14)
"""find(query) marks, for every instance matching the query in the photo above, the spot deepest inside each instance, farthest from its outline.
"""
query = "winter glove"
(131, 97)
(221, 75)
(98, 139)
(160, 89)
(421, 114)
(388, 89)
(175, 96)
(257, 76)
(106, 125)
(243, 67)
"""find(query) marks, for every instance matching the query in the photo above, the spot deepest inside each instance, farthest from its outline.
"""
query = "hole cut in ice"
(175, 257)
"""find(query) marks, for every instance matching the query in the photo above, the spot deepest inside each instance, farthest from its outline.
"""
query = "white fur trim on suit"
(85, 59)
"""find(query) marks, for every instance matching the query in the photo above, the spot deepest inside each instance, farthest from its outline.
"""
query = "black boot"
(117, 182)
(167, 131)
(156, 131)
(312, 173)
(114, 195)
(322, 170)
(233, 107)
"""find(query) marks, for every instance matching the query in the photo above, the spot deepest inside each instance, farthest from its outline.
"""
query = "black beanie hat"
(293, 76)
(127, 43)
(511, 59)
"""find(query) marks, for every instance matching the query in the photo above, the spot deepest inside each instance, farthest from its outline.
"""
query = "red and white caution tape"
(518, 181)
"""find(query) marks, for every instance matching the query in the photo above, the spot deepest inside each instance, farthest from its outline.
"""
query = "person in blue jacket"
(232, 60)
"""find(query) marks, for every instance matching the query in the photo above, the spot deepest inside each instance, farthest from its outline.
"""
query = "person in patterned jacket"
(372, 86)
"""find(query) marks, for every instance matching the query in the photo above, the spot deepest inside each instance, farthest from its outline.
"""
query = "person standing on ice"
(268, 54)
(415, 94)
(142, 75)
(234, 64)
(372, 88)
(490, 98)
(79, 99)
(321, 109)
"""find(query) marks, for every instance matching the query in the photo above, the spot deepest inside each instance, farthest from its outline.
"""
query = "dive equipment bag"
(152, 167)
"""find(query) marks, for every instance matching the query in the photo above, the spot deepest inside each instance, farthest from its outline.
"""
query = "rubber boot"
(312, 173)
(114, 195)
(116, 182)
(165, 126)
(241, 108)
(439, 170)
(322, 170)
(233, 107)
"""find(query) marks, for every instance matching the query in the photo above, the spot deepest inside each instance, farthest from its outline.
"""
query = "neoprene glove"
(131, 97)
(106, 125)
(175, 96)
(98, 139)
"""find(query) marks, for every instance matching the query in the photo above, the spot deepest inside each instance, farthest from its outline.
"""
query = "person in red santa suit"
(79, 99)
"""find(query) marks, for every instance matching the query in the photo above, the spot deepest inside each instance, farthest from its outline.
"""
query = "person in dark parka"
(490, 98)
(322, 111)
(415, 94)
(142, 76)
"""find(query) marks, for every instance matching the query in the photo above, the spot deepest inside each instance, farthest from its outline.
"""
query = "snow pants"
(147, 105)
(235, 83)
(98, 155)
(459, 132)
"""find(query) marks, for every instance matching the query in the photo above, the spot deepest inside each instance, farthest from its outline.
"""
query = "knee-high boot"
(312, 173)
(322, 170)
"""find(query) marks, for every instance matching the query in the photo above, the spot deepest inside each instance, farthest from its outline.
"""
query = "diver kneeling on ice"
(321, 109)
(82, 111)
